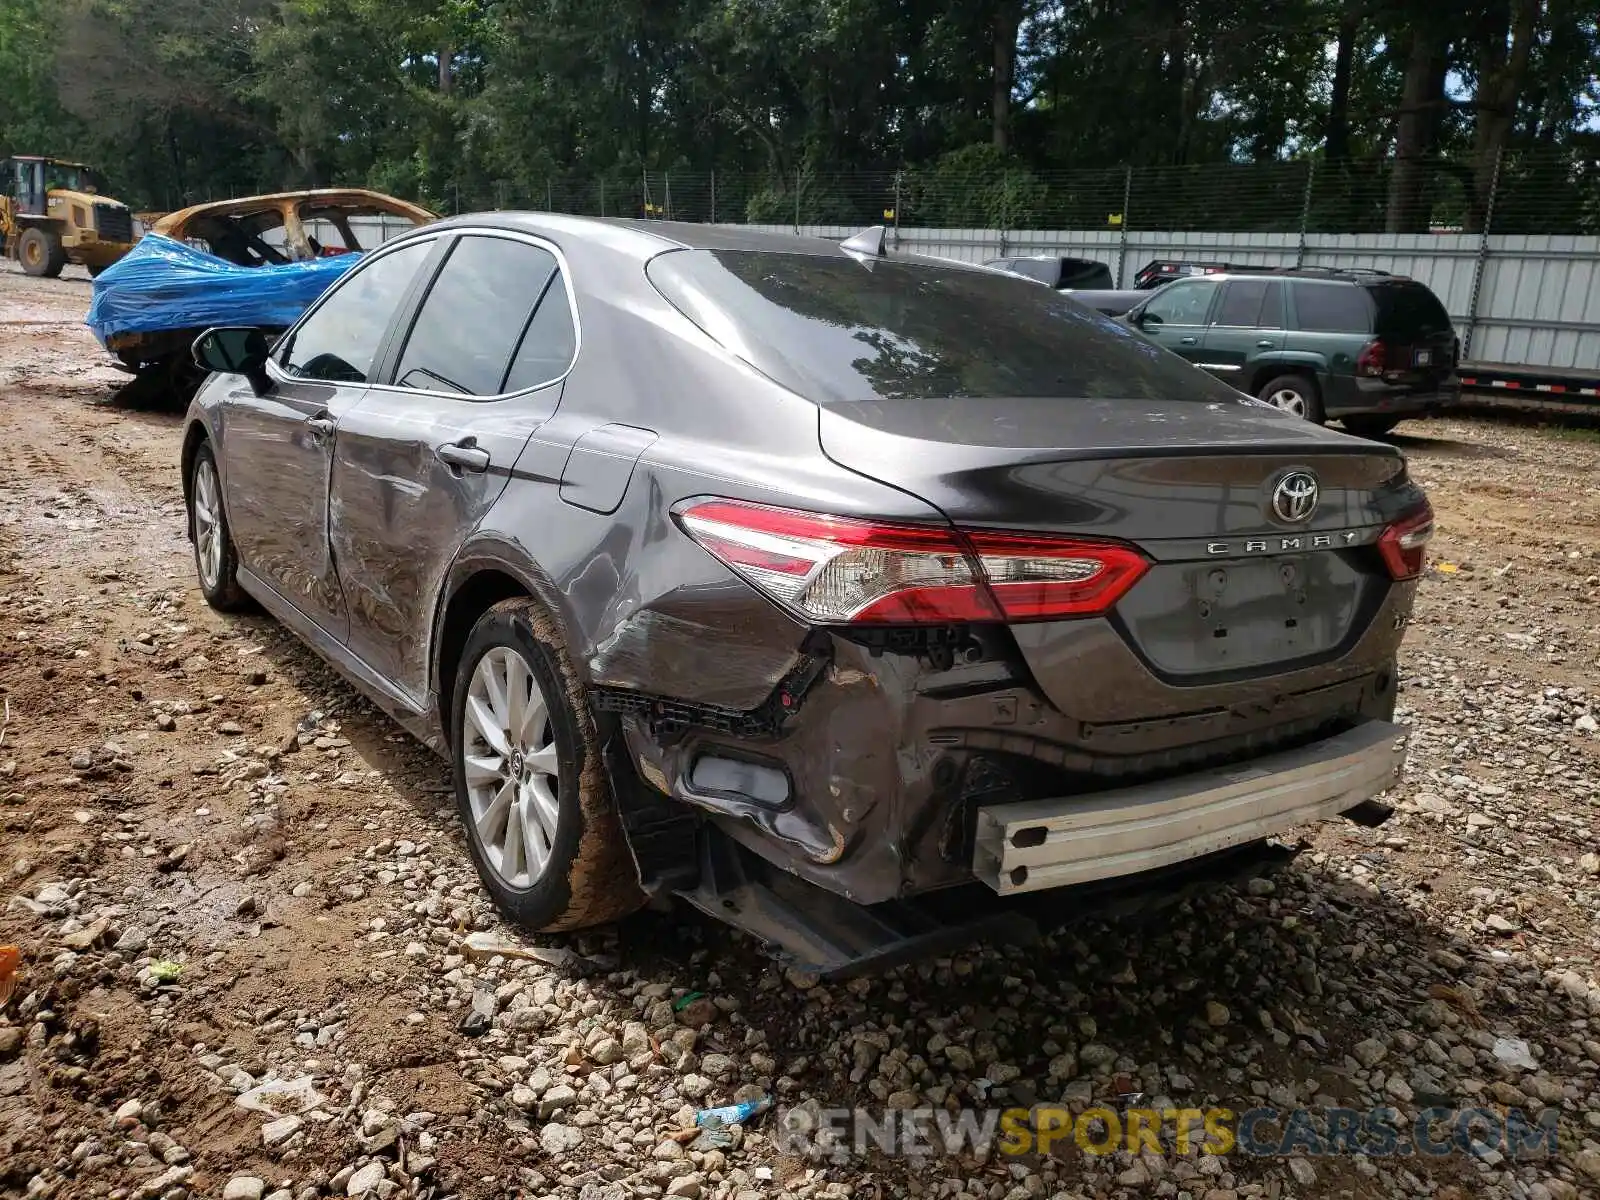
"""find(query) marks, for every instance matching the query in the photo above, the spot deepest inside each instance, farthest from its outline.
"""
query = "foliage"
(479, 103)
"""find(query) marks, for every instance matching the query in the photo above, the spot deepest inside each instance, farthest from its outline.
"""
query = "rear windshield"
(1408, 308)
(838, 330)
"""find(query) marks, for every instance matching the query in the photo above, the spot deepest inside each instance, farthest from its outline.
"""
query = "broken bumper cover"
(1038, 844)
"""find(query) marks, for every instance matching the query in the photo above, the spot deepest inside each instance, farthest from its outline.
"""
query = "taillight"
(1404, 543)
(1372, 360)
(844, 570)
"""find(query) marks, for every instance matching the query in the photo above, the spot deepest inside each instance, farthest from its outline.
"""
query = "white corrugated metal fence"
(1538, 300)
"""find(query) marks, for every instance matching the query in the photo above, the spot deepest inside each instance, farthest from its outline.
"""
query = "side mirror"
(235, 350)
(1144, 320)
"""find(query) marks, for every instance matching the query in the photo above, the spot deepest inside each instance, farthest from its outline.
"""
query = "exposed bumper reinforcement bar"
(1037, 844)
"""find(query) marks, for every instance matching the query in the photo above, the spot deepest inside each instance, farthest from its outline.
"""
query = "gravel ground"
(225, 870)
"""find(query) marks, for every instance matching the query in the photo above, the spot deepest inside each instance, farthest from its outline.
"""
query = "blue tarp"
(162, 284)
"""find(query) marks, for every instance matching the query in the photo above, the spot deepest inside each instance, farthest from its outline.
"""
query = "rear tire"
(530, 785)
(41, 252)
(1369, 426)
(1294, 394)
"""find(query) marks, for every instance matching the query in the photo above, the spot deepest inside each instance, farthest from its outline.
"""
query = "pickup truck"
(1084, 279)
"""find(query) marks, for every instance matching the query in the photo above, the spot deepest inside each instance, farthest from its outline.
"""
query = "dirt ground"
(284, 893)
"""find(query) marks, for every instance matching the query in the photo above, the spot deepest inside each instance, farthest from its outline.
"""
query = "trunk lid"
(1233, 586)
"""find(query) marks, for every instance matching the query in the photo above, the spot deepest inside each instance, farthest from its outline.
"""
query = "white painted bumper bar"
(1038, 844)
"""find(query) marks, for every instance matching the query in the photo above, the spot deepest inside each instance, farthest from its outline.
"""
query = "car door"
(1175, 317)
(420, 461)
(278, 443)
(1246, 328)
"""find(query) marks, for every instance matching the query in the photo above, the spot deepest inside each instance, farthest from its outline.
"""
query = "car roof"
(647, 238)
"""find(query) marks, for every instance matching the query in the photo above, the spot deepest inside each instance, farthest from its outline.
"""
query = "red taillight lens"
(1404, 543)
(844, 570)
(1037, 578)
(1372, 360)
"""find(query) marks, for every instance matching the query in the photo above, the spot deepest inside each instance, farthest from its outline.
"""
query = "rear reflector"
(1404, 543)
(843, 570)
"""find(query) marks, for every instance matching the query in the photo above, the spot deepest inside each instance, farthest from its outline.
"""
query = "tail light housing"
(1373, 359)
(842, 570)
(1404, 544)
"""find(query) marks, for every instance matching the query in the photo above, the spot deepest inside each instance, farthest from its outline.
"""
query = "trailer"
(1531, 387)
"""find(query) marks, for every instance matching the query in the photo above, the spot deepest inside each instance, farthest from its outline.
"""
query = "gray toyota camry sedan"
(873, 604)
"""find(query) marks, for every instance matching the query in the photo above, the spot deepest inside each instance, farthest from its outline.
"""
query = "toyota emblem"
(1295, 497)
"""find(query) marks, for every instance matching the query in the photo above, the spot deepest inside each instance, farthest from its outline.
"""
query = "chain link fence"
(1550, 191)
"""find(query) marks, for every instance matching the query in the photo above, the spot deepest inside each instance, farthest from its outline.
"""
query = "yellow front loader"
(52, 213)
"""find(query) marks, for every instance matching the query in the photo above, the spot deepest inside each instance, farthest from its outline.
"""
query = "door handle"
(1265, 344)
(464, 456)
(1189, 341)
(320, 428)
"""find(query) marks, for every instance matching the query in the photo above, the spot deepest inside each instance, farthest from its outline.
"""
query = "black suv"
(1363, 347)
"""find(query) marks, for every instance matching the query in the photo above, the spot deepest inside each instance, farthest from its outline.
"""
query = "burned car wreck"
(872, 604)
(198, 267)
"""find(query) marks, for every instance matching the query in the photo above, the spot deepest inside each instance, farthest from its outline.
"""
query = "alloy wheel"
(1289, 400)
(511, 767)
(207, 524)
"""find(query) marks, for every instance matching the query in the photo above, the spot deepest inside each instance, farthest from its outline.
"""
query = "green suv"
(1362, 347)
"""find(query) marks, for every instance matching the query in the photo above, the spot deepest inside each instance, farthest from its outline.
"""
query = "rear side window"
(1331, 308)
(1251, 304)
(549, 343)
(1408, 308)
(474, 316)
(838, 330)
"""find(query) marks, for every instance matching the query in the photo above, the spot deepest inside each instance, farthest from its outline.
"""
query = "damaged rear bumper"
(1036, 844)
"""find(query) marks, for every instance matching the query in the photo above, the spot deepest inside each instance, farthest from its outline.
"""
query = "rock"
(687, 1187)
(366, 1180)
(1217, 1014)
(694, 1086)
(231, 728)
(1498, 924)
(1586, 724)
(1135, 1176)
(1588, 1163)
(1370, 1052)
(88, 936)
(244, 1187)
(1589, 863)
(702, 1010)
(480, 1017)
(635, 1039)
(1304, 1174)
(959, 1058)
(1513, 1053)
(560, 1139)
(129, 1111)
(607, 1051)
(10, 1040)
(132, 941)
(1399, 1089)
(557, 1098)
(276, 1133)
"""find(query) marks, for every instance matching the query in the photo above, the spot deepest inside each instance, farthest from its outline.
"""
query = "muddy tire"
(41, 253)
(216, 563)
(530, 785)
